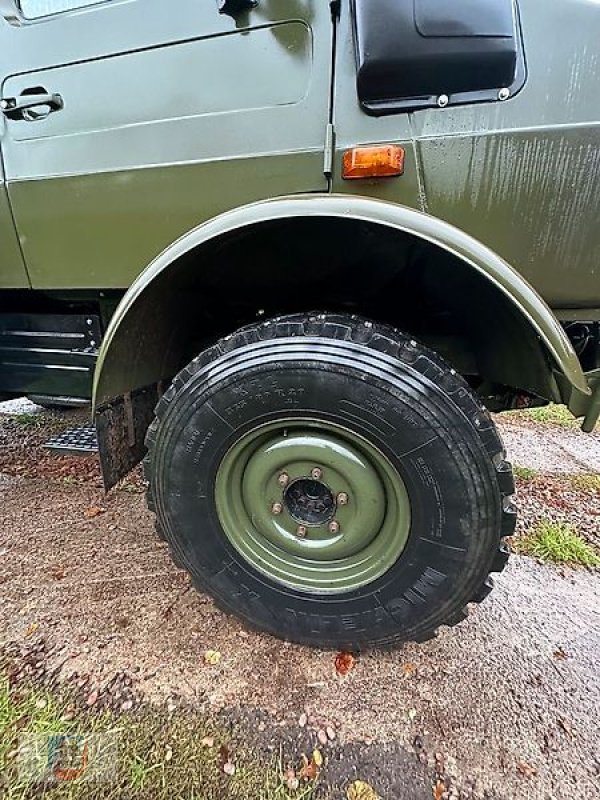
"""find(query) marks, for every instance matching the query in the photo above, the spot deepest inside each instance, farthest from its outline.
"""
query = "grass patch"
(524, 473)
(586, 483)
(552, 414)
(26, 420)
(558, 542)
(160, 755)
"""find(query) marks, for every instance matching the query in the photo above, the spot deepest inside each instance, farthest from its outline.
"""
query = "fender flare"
(431, 229)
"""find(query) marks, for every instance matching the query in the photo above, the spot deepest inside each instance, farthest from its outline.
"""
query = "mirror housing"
(421, 53)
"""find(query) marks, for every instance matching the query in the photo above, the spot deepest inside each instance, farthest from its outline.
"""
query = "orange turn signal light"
(384, 161)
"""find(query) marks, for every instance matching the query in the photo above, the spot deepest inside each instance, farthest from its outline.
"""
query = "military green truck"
(294, 252)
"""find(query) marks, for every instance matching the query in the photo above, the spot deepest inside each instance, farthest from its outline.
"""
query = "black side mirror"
(233, 7)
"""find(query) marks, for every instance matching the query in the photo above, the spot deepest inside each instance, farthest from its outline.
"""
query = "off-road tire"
(399, 395)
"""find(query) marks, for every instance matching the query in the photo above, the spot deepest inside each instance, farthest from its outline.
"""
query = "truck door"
(129, 122)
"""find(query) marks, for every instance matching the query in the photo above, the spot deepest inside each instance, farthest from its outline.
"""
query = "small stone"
(168, 753)
(330, 733)
(41, 703)
(229, 768)
(322, 737)
(127, 705)
(208, 741)
(302, 720)
(171, 706)
(92, 699)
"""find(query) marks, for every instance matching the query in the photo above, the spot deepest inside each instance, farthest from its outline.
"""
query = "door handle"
(14, 107)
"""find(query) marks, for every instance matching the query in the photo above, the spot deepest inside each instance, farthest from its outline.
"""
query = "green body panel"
(136, 213)
(522, 176)
(113, 377)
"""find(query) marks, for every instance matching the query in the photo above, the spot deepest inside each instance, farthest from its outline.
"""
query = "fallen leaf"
(344, 663)
(229, 768)
(412, 713)
(330, 731)
(292, 784)
(302, 720)
(438, 790)
(93, 511)
(58, 573)
(309, 769)
(212, 657)
(31, 629)
(168, 753)
(560, 653)
(359, 790)
(317, 757)
(208, 741)
(408, 669)
(322, 737)
(526, 770)
(566, 726)
(23, 722)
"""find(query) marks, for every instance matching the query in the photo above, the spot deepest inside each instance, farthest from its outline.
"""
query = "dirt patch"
(508, 700)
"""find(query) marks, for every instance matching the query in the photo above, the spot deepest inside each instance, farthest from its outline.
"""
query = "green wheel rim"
(312, 505)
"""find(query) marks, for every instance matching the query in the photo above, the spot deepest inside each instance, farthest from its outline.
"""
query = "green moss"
(524, 473)
(558, 542)
(586, 483)
(26, 420)
(551, 414)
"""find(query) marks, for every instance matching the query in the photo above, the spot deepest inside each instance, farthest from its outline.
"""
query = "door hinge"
(329, 149)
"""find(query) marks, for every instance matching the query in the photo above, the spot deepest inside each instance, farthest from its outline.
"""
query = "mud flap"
(121, 426)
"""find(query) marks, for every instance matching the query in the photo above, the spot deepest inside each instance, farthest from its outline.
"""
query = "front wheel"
(330, 481)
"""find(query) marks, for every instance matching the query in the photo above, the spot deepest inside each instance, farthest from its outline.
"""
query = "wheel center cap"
(310, 502)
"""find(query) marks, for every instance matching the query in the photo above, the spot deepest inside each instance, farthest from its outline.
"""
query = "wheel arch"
(148, 338)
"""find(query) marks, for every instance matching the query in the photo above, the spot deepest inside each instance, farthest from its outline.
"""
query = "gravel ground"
(503, 706)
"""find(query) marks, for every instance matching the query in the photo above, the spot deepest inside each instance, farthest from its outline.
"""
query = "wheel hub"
(310, 502)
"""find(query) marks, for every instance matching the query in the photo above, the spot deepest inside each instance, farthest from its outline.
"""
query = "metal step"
(75, 441)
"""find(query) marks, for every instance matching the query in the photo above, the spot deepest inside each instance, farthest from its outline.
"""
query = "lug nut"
(334, 527)
(276, 508)
(316, 473)
(342, 499)
(301, 531)
(283, 479)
